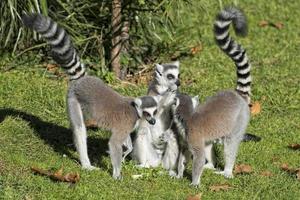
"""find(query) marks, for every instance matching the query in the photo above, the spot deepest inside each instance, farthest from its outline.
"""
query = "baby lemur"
(90, 100)
(224, 115)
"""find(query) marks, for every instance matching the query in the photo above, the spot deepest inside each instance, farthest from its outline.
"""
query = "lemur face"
(167, 75)
(149, 114)
(147, 108)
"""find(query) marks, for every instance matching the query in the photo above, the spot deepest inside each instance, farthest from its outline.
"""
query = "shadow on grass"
(58, 137)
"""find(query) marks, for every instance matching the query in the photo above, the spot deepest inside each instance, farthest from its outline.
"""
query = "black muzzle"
(152, 121)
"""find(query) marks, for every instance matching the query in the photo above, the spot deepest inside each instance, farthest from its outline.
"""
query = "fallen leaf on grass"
(72, 177)
(285, 167)
(217, 188)
(278, 25)
(194, 197)
(58, 175)
(298, 175)
(242, 169)
(255, 108)
(290, 170)
(294, 146)
(194, 50)
(54, 69)
(51, 67)
(266, 173)
(264, 23)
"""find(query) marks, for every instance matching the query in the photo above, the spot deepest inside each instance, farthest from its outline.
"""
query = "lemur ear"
(159, 68)
(137, 102)
(176, 102)
(176, 63)
(157, 98)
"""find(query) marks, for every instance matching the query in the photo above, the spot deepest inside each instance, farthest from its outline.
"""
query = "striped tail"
(62, 48)
(234, 50)
(180, 126)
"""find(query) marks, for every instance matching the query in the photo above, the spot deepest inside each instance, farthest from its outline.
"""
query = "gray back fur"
(102, 105)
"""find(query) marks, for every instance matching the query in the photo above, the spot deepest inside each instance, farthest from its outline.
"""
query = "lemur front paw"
(172, 88)
(165, 137)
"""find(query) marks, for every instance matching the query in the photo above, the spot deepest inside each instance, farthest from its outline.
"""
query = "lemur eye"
(155, 112)
(146, 114)
(170, 76)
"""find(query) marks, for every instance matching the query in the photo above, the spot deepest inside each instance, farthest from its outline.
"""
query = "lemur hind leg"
(198, 164)
(210, 157)
(231, 145)
(79, 132)
(115, 148)
(183, 158)
(170, 158)
(128, 145)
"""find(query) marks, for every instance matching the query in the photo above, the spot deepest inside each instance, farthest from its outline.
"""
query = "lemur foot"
(209, 166)
(142, 166)
(90, 168)
(225, 174)
(179, 176)
(172, 173)
(195, 185)
(117, 177)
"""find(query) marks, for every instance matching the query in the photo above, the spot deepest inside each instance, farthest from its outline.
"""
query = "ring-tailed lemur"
(147, 151)
(224, 115)
(90, 100)
(165, 76)
(186, 106)
(148, 148)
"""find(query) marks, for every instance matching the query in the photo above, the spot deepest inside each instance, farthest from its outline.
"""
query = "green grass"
(34, 125)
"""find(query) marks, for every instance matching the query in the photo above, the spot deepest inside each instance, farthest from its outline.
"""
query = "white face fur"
(167, 77)
(146, 112)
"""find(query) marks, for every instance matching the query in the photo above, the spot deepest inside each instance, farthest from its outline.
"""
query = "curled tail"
(62, 48)
(234, 50)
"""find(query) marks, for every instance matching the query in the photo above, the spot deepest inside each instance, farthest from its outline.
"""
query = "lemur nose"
(177, 83)
(152, 121)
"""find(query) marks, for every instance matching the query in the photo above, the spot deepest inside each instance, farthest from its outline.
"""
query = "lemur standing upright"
(91, 100)
(148, 148)
(224, 115)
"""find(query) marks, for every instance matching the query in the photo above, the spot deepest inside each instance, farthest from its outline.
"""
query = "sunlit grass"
(34, 125)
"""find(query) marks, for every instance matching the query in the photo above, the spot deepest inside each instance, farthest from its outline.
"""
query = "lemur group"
(170, 127)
